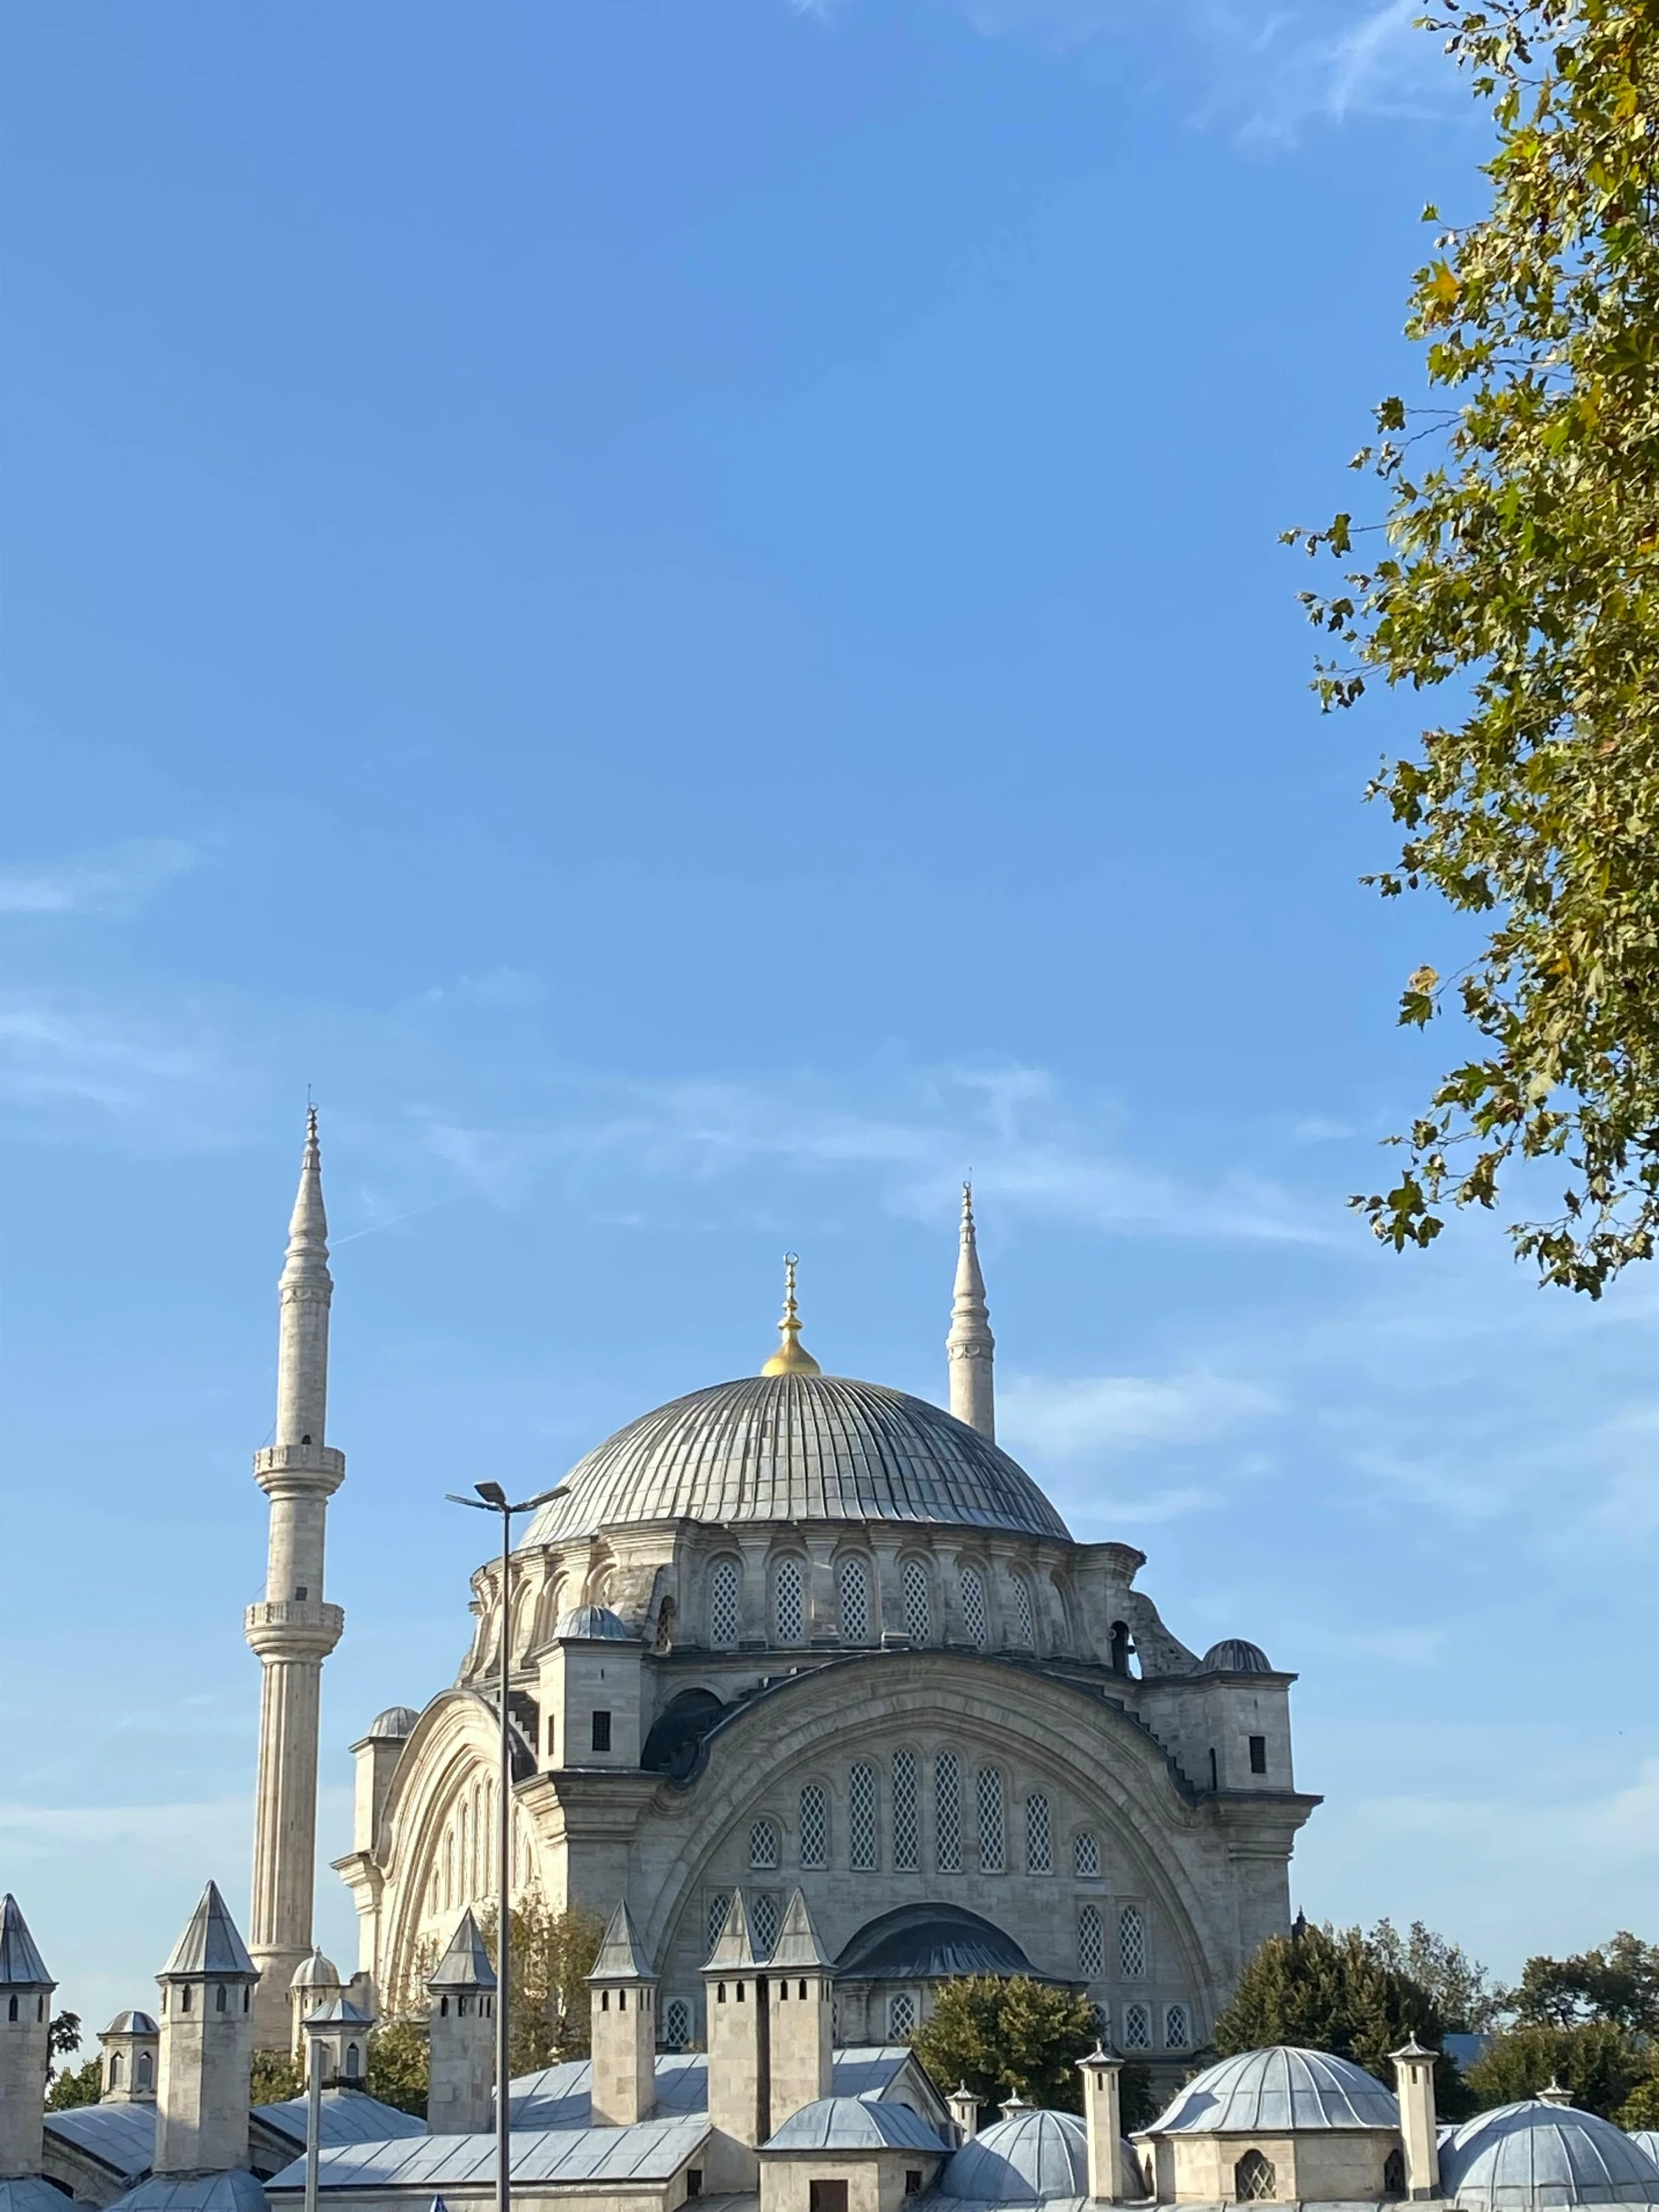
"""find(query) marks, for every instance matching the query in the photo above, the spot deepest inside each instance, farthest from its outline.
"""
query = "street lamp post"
(492, 1498)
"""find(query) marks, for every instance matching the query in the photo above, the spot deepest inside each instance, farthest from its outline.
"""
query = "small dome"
(396, 1722)
(594, 1624)
(1029, 2158)
(1282, 2087)
(1525, 2157)
(1647, 2138)
(316, 1972)
(131, 2023)
(1233, 1656)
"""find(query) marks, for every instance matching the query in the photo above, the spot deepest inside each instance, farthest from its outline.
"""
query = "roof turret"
(211, 1947)
(21, 1965)
(395, 1722)
(798, 1950)
(316, 1972)
(466, 1964)
(734, 1947)
(622, 1955)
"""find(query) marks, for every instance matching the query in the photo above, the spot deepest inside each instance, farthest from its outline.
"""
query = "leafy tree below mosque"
(1008, 2036)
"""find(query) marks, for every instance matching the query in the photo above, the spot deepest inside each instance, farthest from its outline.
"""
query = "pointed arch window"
(720, 1904)
(725, 1607)
(1085, 1856)
(861, 1817)
(907, 1817)
(1091, 1943)
(1025, 1623)
(854, 1593)
(814, 1826)
(973, 1605)
(115, 2069)
(1254, 2180)
(1039, 1834)
(993, 1840)
(1137, 2027)
(676, 2025)
(1132, 1943)
(1178, 2028)
(789, 1602)
(948, 1813)
(146, 2070)
(918, 1611)
(763, 1847)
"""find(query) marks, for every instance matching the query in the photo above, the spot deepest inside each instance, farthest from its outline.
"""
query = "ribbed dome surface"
(1028, 2159)
(1233, 1655)
(780, 1447)
(1278, 2088)
(1523, 2158)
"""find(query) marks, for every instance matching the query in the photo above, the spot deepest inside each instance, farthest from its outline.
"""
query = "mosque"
(809, 1688)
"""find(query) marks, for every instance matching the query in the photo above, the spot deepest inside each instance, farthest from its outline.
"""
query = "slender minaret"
(970, 1347)
(293, 1629)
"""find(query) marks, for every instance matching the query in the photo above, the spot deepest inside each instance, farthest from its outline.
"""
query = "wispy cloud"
(114, 882)
(1115, 1412)
(138, 1081)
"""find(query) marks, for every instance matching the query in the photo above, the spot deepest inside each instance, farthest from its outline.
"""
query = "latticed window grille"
(973, 1605)
(861, 1817)
(1132, 1942)
(1039, 1834)
(1091, 1943)
(762, 1846)
(1137, 2027)
(1254, 2180)
(720, 1904)
(814, 1826)
(1178, 2028)
(1085, 1856)
(902, 2016)
(948, 1813)
(763, 1922)
(725, 1592)
(1025, 1624)
(855, 1582)
(993, 1842)
(677, 2024)
(919, 1614)
(906, 1818)
(788, 1601)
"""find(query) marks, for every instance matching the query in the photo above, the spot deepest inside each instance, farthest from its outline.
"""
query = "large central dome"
(797, 1447)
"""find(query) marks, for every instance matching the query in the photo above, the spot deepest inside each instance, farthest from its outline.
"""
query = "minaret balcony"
(300, 1466)
(294, 1628)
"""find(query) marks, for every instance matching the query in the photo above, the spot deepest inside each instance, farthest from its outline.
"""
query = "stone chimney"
(1419, 2136)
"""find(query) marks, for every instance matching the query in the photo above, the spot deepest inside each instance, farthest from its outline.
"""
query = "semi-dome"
(1029, 2158)
(792, 1448)
(396, 1722)
(1233, 1655)
(923, 1943)
(592, 1624)
(1281, 2087)
(1535, 2156)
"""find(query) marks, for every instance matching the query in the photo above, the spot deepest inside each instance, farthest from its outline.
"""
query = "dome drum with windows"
(803, 1627)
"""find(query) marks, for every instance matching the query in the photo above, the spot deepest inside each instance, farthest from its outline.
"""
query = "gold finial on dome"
(791, 1357)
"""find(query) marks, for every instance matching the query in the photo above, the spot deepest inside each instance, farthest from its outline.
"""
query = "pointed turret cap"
(210, 1945)
(21, 1965)
(798, 1950)
(732, 1948)
(466, 1964)
(308, 1253)
(622, 1955)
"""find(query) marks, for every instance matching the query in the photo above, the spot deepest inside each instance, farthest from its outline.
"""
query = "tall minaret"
(292, 1630)
(970, 1347)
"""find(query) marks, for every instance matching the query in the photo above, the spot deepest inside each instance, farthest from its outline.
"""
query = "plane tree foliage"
(1509, 568)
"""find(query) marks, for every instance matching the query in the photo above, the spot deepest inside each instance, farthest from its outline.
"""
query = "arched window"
(466, 1851)
(1254, 2180)
(676, 2025)
(725, 1603)
(1132, 1943)
(814, 1826)
(1178, 2028)
(1025, 1620)
(1394, 2173)
(907, 1817)
(1091, 1943)
(764, 1851)
(720, 1904)
(918, 1612)
(902, 2016)
(1085, 1856)
(763, 1922)
(861, 1817)
(115, 2069)
(1039, 1834)
(1137, 2027)
(1062, 1606)
(11, 2008)
(993, 1842)
(183, 1998)
(789, 1602)
(221, 1997)
(854, 1586)
(146, 2070)
(1120, 1647)
(353, 2061)
(973, 1605)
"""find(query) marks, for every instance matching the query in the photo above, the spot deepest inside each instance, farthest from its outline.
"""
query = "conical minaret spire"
(970, 1347)
(293, 1629)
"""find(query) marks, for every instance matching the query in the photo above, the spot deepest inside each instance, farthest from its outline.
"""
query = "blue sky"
(676, 605)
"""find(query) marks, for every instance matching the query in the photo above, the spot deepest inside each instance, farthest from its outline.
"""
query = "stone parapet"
(293, 1628)
(300, 1466)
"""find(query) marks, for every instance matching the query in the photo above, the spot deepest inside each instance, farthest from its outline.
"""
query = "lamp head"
(491, 1492)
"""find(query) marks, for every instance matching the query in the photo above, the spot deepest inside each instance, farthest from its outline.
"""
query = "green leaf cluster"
(551, 1956)
(1599, 2062)
(1518, 564)
(401, 2065)
(1007, 2036)
(1617, 1981)
(72, 2085)
(275, 2077)
(1338, 1989)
